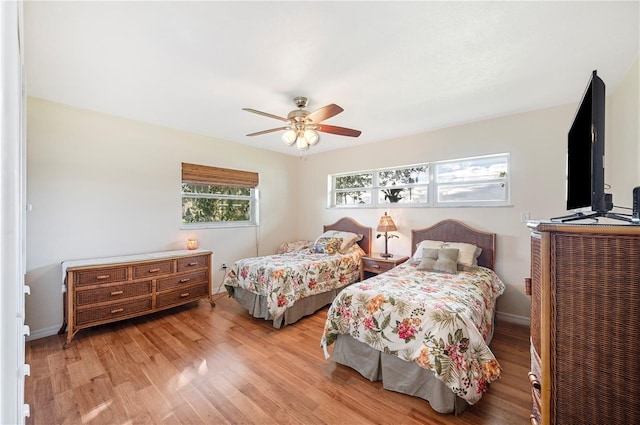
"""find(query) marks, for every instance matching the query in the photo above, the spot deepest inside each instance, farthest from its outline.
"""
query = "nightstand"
(375, 264)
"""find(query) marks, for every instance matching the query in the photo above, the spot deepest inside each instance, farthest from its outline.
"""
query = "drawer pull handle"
(375, 266)
(186, 294)
(154, 270)
(527, 286)
(117, 310)
(533, 379)
(187, 279)
(103, 276)
(193, 264)
(117, 293)
(536, 400)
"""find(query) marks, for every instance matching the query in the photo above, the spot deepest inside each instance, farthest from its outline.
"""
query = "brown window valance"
(215, 176)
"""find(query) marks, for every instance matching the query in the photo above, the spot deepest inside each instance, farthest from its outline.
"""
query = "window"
(217, 197)
(478, 181)
(406, 185)
(354, 189)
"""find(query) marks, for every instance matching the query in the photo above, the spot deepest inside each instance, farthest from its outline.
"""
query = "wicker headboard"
(347, 224)
(457, 231)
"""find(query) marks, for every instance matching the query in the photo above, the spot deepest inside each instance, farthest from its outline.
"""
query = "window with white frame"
(477, 181)
(409, 185)
(218, 197)
(353, 189)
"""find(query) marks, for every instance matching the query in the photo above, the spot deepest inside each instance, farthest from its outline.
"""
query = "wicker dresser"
(105, 290)
(585, 324)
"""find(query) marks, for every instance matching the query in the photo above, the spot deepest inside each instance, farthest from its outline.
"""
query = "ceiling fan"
(302, 126)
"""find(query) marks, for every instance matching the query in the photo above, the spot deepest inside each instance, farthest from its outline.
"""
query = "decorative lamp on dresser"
(105, 290)
(585, 323)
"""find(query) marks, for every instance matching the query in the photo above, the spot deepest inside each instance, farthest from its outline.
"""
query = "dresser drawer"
(181, 296)
(376, 266)
(183, 280)
(109, 312)
(192, 263)
(100, 275)
(152, 269)
(118, 292)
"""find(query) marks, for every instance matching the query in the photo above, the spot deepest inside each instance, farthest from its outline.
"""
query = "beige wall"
(623, 137)
(101, 186)
(536, 142)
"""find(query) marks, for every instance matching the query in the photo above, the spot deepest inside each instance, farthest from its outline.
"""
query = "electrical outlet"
(223, 266)
(524, 217)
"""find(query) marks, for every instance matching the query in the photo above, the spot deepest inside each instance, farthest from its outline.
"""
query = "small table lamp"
(386, 225)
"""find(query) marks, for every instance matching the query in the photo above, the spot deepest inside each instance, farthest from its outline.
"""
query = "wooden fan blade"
(338, 130)
(265, 114)
(268, 131)
(325, 113)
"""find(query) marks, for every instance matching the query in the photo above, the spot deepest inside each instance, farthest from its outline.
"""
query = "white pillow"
(468, 255)
(347, 238)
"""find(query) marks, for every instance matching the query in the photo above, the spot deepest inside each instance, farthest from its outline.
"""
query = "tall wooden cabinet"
(585, 323)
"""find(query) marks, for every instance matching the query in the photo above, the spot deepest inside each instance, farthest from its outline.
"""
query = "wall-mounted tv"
(585, 151)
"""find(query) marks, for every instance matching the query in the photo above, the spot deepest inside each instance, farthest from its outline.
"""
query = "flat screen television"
(585, 152)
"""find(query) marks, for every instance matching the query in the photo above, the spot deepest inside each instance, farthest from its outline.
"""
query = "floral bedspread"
(438, 320)
(286, 278)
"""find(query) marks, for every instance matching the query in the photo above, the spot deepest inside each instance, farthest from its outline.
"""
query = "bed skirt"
(256, 305)
(398, 375)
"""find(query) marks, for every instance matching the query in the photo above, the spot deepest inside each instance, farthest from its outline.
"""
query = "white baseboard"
(41, 333)
(512, 318)
(507, 317)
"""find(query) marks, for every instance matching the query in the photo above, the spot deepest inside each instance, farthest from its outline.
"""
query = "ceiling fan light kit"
(302, 144)
(311, 136)
(289, 137)
(303, 125)
(304, 135)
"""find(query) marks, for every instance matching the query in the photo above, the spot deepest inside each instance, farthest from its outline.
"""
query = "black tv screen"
(585, 151)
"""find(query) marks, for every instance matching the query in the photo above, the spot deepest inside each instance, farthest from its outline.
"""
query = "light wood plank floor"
(201, 365)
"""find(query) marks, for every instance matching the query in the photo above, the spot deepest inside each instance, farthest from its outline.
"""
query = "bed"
(424, 333)
(285, 287)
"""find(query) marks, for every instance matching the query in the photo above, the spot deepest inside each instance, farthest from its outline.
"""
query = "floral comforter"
(286, 278)
(440, 321)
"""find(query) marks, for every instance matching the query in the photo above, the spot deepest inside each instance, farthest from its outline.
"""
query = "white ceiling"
(397, 68)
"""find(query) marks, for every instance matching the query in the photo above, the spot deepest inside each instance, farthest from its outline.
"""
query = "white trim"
(512, 318)
(12, 216)
(43, 333)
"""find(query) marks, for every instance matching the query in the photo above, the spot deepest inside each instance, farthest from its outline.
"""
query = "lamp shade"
(289, 137)
(311, 136)
(386, 224)
(302, 143)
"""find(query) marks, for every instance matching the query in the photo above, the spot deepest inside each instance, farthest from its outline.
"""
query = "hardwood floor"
(201, 365)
